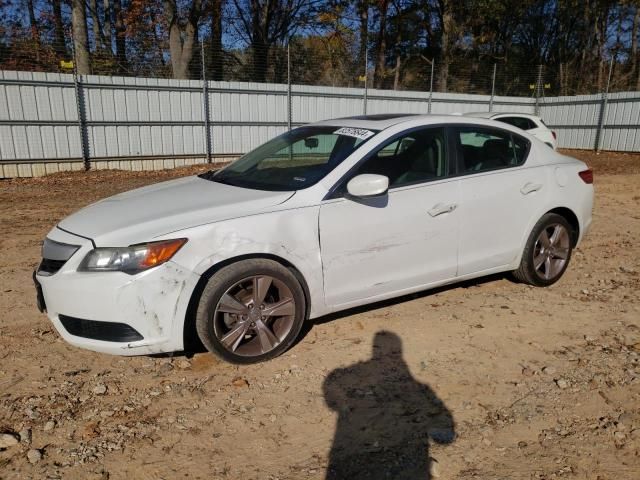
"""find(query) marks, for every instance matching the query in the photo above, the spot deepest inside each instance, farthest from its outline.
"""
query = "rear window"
(522, 123)
(482, 149)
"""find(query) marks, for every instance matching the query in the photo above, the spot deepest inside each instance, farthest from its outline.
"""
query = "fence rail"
(52, 121)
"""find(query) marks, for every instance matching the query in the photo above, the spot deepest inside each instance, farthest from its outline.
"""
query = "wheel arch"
(189, 333)
(570, 217)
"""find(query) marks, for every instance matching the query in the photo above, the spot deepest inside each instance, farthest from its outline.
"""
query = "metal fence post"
(433, 61)
(289, 106)
(493, 88)
(366, 77)
(537, 90)
(603, 109)
(205, 103)
(81, 112)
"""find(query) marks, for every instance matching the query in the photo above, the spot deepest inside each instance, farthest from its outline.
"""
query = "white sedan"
(532, 124)
(325, 217)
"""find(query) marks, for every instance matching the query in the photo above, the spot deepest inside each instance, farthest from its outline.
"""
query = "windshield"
(294, 160)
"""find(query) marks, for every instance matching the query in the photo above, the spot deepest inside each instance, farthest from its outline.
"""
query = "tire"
(251, 311)
(554, 257)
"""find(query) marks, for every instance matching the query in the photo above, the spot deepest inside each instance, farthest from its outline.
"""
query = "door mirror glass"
(368, 185)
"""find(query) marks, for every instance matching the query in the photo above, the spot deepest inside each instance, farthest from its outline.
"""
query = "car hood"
(142, 214)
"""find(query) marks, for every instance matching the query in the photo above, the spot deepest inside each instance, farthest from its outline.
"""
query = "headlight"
(132, 259)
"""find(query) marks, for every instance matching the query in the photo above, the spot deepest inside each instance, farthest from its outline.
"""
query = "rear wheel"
(547, 252)
(251, 311)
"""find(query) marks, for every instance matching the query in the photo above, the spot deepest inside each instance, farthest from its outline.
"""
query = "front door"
(405, 239)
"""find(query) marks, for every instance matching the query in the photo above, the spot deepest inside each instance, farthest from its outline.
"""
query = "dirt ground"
(489, 379)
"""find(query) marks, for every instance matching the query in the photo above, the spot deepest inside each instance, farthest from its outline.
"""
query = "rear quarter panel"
(565, 189)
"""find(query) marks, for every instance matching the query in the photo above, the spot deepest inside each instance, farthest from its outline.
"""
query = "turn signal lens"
(160, 252)
(586, 176)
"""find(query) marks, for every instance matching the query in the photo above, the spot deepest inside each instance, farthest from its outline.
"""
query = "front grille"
(49, 267)
(105, 331)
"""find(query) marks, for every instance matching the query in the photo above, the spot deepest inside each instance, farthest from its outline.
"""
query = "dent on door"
(376, 246)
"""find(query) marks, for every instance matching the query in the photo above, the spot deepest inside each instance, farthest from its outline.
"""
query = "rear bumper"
(116, 313)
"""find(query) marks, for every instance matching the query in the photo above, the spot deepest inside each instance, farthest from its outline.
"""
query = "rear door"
(499, 195)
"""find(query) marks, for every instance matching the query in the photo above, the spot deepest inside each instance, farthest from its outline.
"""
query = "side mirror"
(368, 185)
(311, 142)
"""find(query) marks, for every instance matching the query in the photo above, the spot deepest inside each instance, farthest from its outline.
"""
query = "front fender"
(291, 235)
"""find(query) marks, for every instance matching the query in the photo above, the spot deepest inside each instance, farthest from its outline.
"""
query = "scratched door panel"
(374, 247)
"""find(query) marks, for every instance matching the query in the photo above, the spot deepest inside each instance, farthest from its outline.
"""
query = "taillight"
(586, 176)
(555, 137)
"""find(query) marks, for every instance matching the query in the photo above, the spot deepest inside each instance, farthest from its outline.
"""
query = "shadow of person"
(385, 417)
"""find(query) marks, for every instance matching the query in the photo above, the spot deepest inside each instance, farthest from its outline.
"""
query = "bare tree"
(80, 37)
(381, 44)
(98, 37)
(447, 40)
(107, 10)
(59, 45)
(120, 31)
(33, 23)
(183, 35)
(363, 14)
(264, 23)
(216, 54)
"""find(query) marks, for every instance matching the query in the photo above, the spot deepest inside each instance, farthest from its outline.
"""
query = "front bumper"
(152, 303)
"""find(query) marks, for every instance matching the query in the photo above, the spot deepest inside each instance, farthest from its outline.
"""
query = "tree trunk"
(183, 34)
(80, 44)
(259, 45)
(398, 54)
(35, 32)
(446, 39)
(60, 45)
(95, 25)
(381, 46)
(121, 31)
(396, 75)
(107, 26)
(215, 54)
(635, 68)
(363, 13)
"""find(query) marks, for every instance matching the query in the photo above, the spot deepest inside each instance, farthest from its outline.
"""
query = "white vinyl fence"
(51, 122)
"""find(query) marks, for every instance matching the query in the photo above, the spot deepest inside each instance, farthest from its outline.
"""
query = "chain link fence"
(312, 60)
(220, 102)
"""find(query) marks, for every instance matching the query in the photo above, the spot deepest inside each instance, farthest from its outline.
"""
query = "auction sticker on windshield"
(360, 133)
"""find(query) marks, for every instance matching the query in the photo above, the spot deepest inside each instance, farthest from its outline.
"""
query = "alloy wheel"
(551, 251)
(254, 315)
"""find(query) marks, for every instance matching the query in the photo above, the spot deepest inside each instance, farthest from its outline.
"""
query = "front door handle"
(530, 187)
(441, 208)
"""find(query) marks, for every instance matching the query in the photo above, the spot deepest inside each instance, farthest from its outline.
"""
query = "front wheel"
(250, 311)
(547, 252)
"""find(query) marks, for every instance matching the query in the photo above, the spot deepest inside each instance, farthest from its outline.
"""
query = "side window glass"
(520, 149)
(532, 124)
(483, 149)
(416, 157)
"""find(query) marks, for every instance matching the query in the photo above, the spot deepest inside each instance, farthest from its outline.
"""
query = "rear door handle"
(441, 208)
(530, 187)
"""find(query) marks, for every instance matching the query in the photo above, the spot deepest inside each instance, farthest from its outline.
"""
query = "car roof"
(499, 114)
(382, 122)
(371, 122)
